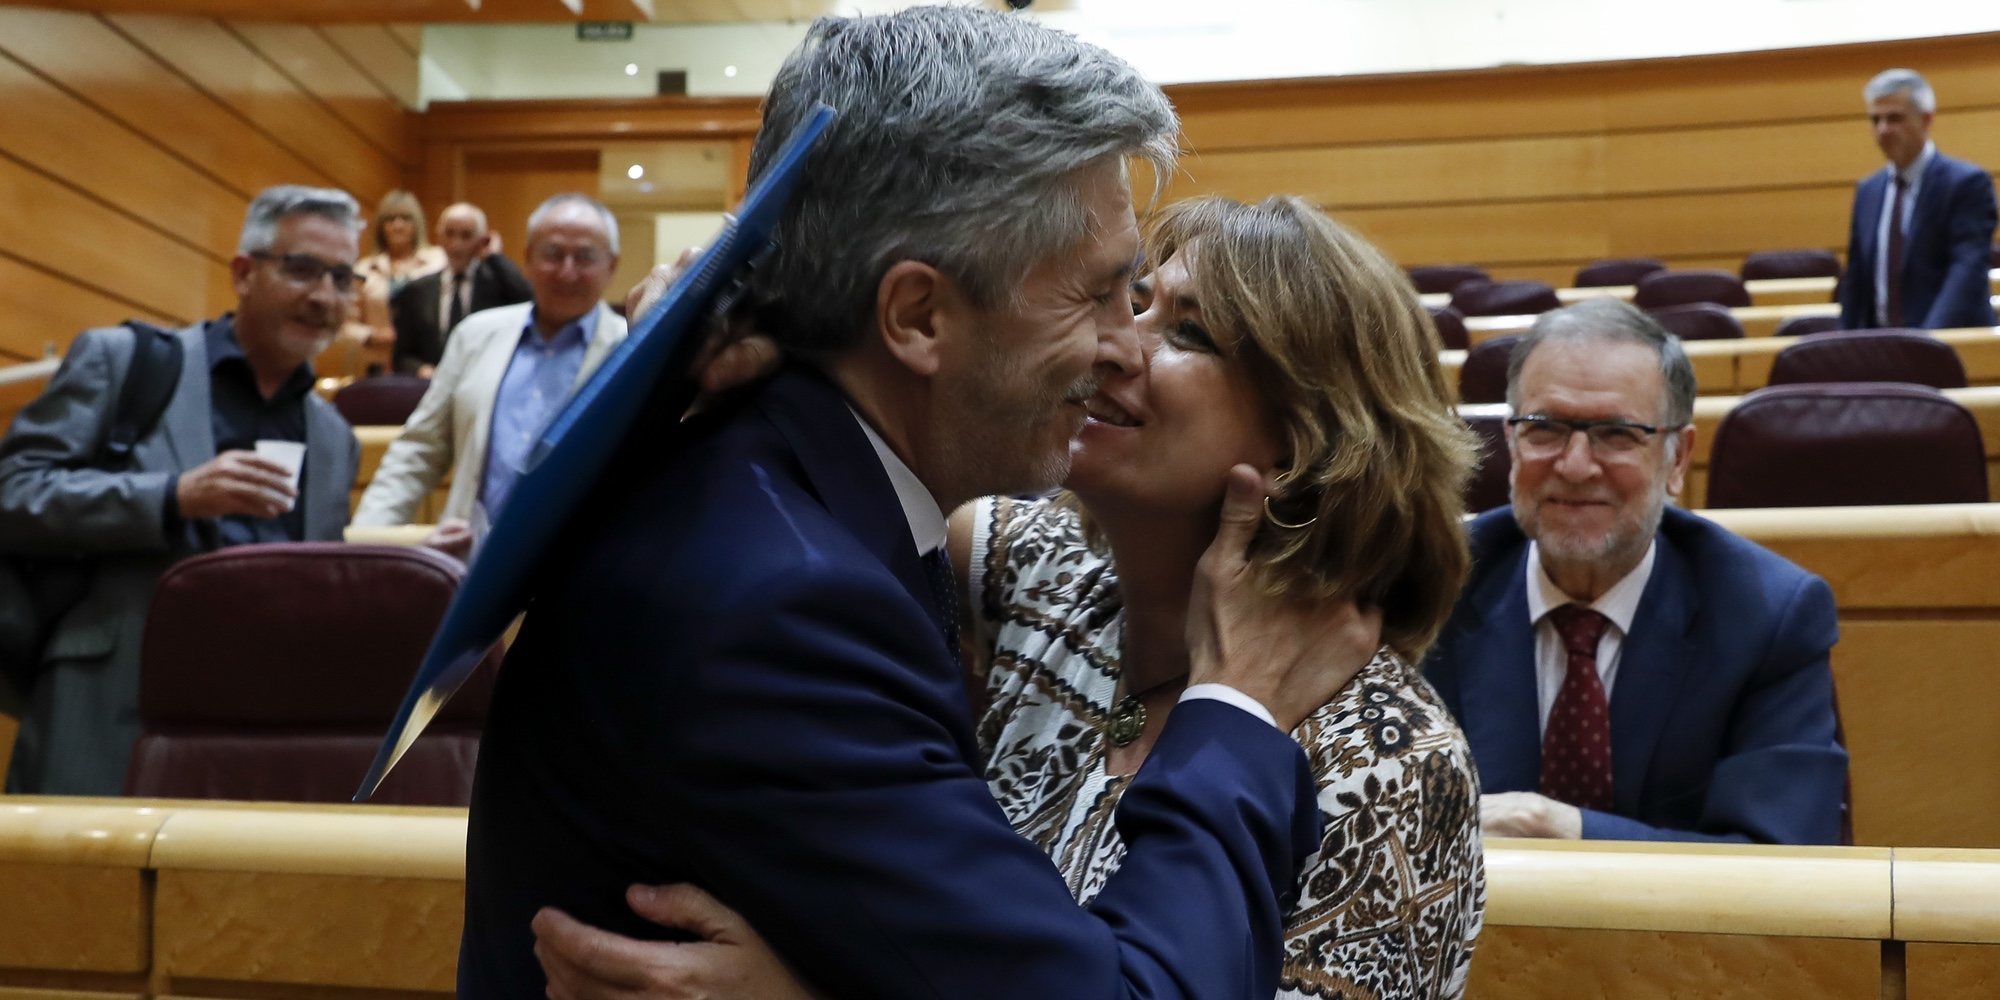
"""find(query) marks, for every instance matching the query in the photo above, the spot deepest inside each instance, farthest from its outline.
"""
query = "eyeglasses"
(1541, 436)
(305, 270)
(552, 255)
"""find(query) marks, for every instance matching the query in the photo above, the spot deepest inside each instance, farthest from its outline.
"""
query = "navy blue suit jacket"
(737, 678)
(1947, 250)
(1722, 715)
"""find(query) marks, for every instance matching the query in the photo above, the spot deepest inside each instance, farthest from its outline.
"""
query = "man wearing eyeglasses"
(197, 478)
(504, 374)
(1623, 669)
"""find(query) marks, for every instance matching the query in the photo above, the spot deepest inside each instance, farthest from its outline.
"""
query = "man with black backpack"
(149, 446)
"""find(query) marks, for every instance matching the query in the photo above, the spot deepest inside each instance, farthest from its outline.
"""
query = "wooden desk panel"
(1952, 971)
(1538, 963)
(75, 918)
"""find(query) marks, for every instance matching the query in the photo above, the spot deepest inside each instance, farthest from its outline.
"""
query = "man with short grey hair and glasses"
(1624, 669)
(241, 451)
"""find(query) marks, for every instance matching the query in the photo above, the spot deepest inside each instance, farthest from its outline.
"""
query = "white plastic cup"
(289, 454)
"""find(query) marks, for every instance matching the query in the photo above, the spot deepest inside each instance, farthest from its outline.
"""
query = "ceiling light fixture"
(631, 69)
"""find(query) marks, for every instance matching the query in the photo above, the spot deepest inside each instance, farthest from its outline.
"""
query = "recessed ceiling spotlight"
(635, 171)
(728, 71)
(631, 69)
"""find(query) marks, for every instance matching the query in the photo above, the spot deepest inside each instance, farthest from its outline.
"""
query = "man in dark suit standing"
(1622, 669)
(742, 673)
(426, 310)
(1918, 246)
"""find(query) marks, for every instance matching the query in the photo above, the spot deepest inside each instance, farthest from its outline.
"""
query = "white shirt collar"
(1620, 603)
(1917, 166)
(920, 509)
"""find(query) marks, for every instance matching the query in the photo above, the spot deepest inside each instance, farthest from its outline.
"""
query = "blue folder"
(572, 452)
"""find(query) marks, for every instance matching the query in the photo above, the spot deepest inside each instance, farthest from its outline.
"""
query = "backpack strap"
(149, 387)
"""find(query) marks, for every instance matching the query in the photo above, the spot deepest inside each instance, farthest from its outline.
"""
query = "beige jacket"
(448, 430)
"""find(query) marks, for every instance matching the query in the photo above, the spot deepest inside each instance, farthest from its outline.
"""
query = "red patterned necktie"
(1576, 746)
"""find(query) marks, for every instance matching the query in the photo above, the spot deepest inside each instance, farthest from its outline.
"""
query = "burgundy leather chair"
(1434, 279)
(1488, 487)
(1504, 298)
(380, 400)
(1870, 356)
(1846, 444)
(1483, 377)
(1621, 271)
(1805, 326)
(270, 672)
(1678, 288)
(1450, 327)
(1790, 264)
(1699, 321)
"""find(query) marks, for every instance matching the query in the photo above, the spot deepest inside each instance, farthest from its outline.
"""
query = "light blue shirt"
(538, 381)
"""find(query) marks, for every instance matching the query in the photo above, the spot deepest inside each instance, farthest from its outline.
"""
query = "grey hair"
(556, 201)
(959, 137)
(1613, 320)
(477, 213)
(275, 204)
(1902, 81)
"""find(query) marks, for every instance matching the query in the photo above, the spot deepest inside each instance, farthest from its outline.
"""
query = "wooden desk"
(337, 902)
(1763, 292)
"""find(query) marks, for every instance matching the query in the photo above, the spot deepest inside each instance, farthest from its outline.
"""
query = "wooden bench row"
(143, 899)
(1763, 292)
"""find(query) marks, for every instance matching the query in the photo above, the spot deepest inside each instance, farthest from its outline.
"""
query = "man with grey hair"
(1623, 669)
(475, 277)
(505, 372)
(741, 671)
(1918, 245)
(198, 478)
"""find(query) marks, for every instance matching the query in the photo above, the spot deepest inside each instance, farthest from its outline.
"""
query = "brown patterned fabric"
(1392, 902)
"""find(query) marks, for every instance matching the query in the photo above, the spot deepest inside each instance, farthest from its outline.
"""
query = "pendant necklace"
(1128, 715)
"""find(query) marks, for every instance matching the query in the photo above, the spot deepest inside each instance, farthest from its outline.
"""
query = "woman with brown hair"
(1276, 338)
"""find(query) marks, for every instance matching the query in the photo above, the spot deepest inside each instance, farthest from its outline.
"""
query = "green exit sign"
(604, 31)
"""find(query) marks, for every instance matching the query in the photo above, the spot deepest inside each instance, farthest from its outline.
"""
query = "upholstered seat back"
(272, 671)
(382, 400)
(1483, 377)
(1442, 279)
(1699, 321)
(1621, 271)
(1839, 445)
(1870, 356)
(1504, 298)
(1766, 264)
(1678, 288)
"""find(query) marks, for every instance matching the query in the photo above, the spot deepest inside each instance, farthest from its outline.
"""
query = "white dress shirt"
(1913, 178)
(1620, 604)
(927, 530)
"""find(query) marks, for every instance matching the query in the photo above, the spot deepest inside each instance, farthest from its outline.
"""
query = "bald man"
(425, 310)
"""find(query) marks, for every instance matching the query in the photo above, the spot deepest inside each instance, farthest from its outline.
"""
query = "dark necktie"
(944, 593)
(1576, 746)
(456, 287)
(1892, 281)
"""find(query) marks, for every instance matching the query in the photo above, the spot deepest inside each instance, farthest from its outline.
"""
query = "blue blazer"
(736, 677)
(1722, 715)
(1947, 250)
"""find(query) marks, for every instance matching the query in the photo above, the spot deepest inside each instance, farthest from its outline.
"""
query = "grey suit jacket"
(447, 431)
(82, 714)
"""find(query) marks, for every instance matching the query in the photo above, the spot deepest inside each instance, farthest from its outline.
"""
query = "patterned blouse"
(1390, 904)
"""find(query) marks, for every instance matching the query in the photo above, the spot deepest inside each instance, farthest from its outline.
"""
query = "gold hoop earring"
(1273, 518)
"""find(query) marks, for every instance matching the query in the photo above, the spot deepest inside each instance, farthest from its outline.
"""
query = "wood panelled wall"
(1534, 172)
(130, 146)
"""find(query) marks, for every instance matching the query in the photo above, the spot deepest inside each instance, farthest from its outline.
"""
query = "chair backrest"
(1841, 445)
(1619, 271)
(380, 400)
(1483, 377)
(1504, 298)
(1488, 486)
(1678, 288)
(1699, 321)
(1450, 327)
(1996, 255)
(1805, 326)
(270, 672)
(1434, 279)
(1790, 264)
(1870, 356)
